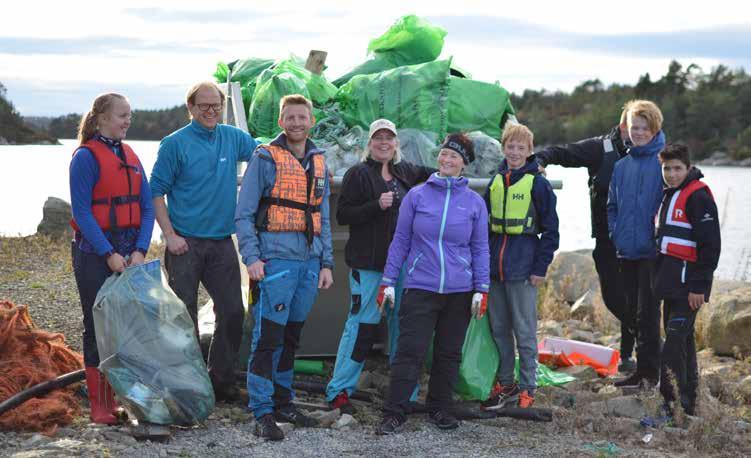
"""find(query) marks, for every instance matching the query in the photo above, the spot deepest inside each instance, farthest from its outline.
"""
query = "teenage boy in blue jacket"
(523, 237)
(284, 235)
(634, 197)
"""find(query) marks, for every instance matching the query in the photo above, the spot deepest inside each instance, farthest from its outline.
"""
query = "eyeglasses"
(214, 106)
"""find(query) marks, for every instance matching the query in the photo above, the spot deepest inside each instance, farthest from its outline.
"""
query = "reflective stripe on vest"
(116, 197)
(674, 230)
(294, 204)
(511, 210)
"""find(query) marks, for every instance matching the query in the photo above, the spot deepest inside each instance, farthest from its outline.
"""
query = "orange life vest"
(294, 203)
(116, 197)
(674, 230)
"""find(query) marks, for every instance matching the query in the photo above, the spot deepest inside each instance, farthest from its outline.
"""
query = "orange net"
(29, 356)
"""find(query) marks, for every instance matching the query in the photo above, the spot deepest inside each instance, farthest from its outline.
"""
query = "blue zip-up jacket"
(196, 168)
(633, 200)
(84, 174)
(519, 256)
(258, 182)
(441, 238)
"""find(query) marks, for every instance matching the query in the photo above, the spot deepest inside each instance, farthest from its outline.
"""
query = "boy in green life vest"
(523, 238)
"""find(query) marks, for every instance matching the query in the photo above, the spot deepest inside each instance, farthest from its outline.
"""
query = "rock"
(741, 425)
(580, 372)
(744, 388)
(326, 418)
(584, 307)
(286, 428)
(35, 440)
(345, 421)
(56, 215)
(117, 436)
(571, 274)
(607, 389)
(582, 336)
(626, 406)
(725, 324)
(550, 328)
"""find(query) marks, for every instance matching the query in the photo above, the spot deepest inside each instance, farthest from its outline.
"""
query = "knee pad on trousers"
(272, 335)
(292, 333)
(366, 336)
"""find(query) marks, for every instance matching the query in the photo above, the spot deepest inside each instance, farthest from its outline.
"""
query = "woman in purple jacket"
(442, 239)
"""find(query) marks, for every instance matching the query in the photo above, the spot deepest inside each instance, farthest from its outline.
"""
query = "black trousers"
(421, 314)
(214, 263)
(637, 280)
(613, 292)
(679, 365)
(90, 271)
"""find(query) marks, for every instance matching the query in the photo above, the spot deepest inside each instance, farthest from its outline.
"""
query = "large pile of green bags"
(403, 81)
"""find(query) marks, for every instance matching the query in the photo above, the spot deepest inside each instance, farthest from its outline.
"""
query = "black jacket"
(370, 228)
(675, 278)
(591, 153)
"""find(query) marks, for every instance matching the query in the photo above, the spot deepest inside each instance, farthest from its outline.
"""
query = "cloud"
(106, 45)
(227, 16)
(717, 42)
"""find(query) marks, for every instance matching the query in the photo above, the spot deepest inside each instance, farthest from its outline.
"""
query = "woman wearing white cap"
(369, 204)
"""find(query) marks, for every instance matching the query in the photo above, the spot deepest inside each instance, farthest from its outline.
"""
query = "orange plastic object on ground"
(556, 352)
(29, 356)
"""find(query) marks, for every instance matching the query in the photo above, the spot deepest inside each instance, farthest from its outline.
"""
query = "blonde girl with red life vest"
(688, 240)
(112, 222)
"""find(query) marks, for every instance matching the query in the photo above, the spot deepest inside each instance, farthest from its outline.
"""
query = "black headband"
(459, 148)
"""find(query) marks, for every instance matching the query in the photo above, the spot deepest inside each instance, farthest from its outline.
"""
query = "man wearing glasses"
(196, 170)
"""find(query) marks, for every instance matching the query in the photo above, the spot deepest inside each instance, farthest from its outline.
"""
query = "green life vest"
(511, 209)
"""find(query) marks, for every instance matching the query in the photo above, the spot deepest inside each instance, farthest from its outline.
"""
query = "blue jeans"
(288, 292)
(512, 310)
(361, 331)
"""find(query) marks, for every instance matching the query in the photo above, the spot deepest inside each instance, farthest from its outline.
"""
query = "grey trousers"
(512, 310)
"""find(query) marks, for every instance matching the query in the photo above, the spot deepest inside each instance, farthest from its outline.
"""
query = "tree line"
(144, 125)
(13, 129)
(709, 111)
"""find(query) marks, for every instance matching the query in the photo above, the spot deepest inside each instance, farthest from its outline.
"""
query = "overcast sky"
(55, 57)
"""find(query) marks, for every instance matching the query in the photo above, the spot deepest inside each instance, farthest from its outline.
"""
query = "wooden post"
(316, 61)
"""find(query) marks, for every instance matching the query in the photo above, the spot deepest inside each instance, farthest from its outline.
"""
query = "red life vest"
(674, 230)
(116, 197)
(294, 203)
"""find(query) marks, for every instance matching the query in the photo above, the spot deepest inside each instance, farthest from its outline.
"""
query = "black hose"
(529, 413)
(41, 388)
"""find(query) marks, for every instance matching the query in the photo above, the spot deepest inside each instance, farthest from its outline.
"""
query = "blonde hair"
(624, 113)
(88, 125)
(647, 110)
(190, 97)
(518, 132)
(295, 99)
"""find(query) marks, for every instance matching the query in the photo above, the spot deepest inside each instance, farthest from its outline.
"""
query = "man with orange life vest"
(688, 238)
(112, 220)
(284, 235)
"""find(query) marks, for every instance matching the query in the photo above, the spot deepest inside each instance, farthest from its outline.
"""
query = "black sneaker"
(266, 427)
(290, 414)
(627, 365)
(443, 420)
(501, 396)
(391, 424)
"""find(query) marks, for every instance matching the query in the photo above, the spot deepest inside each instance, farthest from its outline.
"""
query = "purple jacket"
(441, 238)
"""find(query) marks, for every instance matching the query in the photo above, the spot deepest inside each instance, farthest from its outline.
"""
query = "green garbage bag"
(476, 105)
(264, 109)
(479, 362)
(411, 40)
(413, 96)
(245, 72)
(321, 91)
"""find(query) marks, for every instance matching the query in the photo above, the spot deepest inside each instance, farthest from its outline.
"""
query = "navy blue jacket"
(633, 200)
(525, 254)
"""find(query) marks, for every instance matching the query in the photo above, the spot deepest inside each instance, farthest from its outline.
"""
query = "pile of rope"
(29, 356)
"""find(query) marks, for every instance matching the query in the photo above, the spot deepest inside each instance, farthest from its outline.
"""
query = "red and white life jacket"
(674, 231)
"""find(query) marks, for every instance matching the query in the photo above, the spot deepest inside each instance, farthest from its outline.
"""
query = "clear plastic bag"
(148, 349)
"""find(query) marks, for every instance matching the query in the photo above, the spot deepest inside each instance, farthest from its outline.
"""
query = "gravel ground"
(36, 271)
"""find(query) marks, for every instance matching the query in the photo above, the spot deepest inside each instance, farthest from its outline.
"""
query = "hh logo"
(678, 213)
(517, 196)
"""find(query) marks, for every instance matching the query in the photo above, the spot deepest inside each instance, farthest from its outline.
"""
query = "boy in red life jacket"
(688, 238)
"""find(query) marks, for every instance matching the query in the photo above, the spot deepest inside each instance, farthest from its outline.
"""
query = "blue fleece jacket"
(84, 174)
(196, 168)
(633, 200)
(258, 181)
(519, 256)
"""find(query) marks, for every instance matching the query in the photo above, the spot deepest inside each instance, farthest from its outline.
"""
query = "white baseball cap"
(379, 124)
